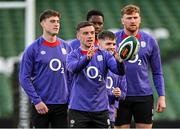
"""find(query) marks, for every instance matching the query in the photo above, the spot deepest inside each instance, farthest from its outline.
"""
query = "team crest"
(99, 57)
(43, 52)
(63, 51)
(143, 44)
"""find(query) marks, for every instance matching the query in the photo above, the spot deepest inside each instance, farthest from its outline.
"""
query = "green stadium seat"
(6, 106)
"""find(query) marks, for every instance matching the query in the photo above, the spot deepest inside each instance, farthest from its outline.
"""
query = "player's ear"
(42, 24)
(122, 21)
(77, 35)
(139, 19)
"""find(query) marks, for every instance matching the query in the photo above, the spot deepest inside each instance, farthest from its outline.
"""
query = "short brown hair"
(83, 24)
(129, 9)
(106, 35)
(48, 13)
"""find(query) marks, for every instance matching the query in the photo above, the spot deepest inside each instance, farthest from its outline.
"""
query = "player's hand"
(117, 92)
(161, 104)
(90, 52)
(41, 108)
(117, 57)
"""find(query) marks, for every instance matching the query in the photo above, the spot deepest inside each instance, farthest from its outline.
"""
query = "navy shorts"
(55, 118)
(138, 107)
(82, 119)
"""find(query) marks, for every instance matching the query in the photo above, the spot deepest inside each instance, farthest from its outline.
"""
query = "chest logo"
(99, 57)
(109, 82)
(55, 64)
(63, 51)
(143, 44)
(43, 52)
(92, 72)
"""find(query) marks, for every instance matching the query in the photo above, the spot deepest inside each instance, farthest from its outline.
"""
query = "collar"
(51, 44)
(138, 36)
(84, 52)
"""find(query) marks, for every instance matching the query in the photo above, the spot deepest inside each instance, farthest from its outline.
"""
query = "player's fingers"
(46, 109)
(40, 111)
(160, 109)
(117, 93)
(43, 110)
(157, 110)
(91, 48)
(117, 89)
(163, 108)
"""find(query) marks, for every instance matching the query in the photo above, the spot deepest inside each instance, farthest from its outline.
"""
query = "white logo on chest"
(110, 84)
(143, 44)
(55, 60)
(99, 57)
(43, 52)
(63, 51)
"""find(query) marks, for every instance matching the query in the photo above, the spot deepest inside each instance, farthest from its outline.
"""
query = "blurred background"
(161, 18)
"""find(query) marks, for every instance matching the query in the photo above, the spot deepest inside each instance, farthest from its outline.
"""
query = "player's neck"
(49, 38)
(84, 48)
(130, 32)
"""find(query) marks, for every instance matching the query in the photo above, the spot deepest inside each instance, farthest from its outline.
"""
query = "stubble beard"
(132, 29)
(85, 46)
(52, 33)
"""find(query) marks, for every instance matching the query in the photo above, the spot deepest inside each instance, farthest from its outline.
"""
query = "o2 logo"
(58, 66)
(92, 72)
(109, 82)
(135, 60)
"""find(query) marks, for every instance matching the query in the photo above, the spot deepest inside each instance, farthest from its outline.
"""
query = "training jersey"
(89, 91)
(112, 82)
(75, 43)
(137, 73)
(43, 71)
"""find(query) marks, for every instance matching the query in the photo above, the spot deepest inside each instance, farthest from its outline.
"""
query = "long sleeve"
(25, 74)
(121, 67)
(122, 83)
(76, 63)
(114, 81)
(114, 65)
(155, 63)
(43, 73)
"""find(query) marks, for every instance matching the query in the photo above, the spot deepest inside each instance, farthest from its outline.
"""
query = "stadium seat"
(6, 106)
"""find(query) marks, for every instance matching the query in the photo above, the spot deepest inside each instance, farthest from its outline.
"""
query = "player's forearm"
(115, 66)
(76, 65)
(123, 95)
(159, 84)
(28, 87)
(121, 68)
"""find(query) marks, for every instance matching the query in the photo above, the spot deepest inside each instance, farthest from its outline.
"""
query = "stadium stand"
(155, 14)
(6, 106)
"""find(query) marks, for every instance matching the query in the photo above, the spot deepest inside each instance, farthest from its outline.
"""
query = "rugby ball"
(128, 48)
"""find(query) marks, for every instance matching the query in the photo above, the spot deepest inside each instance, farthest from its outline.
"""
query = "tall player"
(89, 100)
(97, 18)
(139, 98)
(116, 85)
(43, 74)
